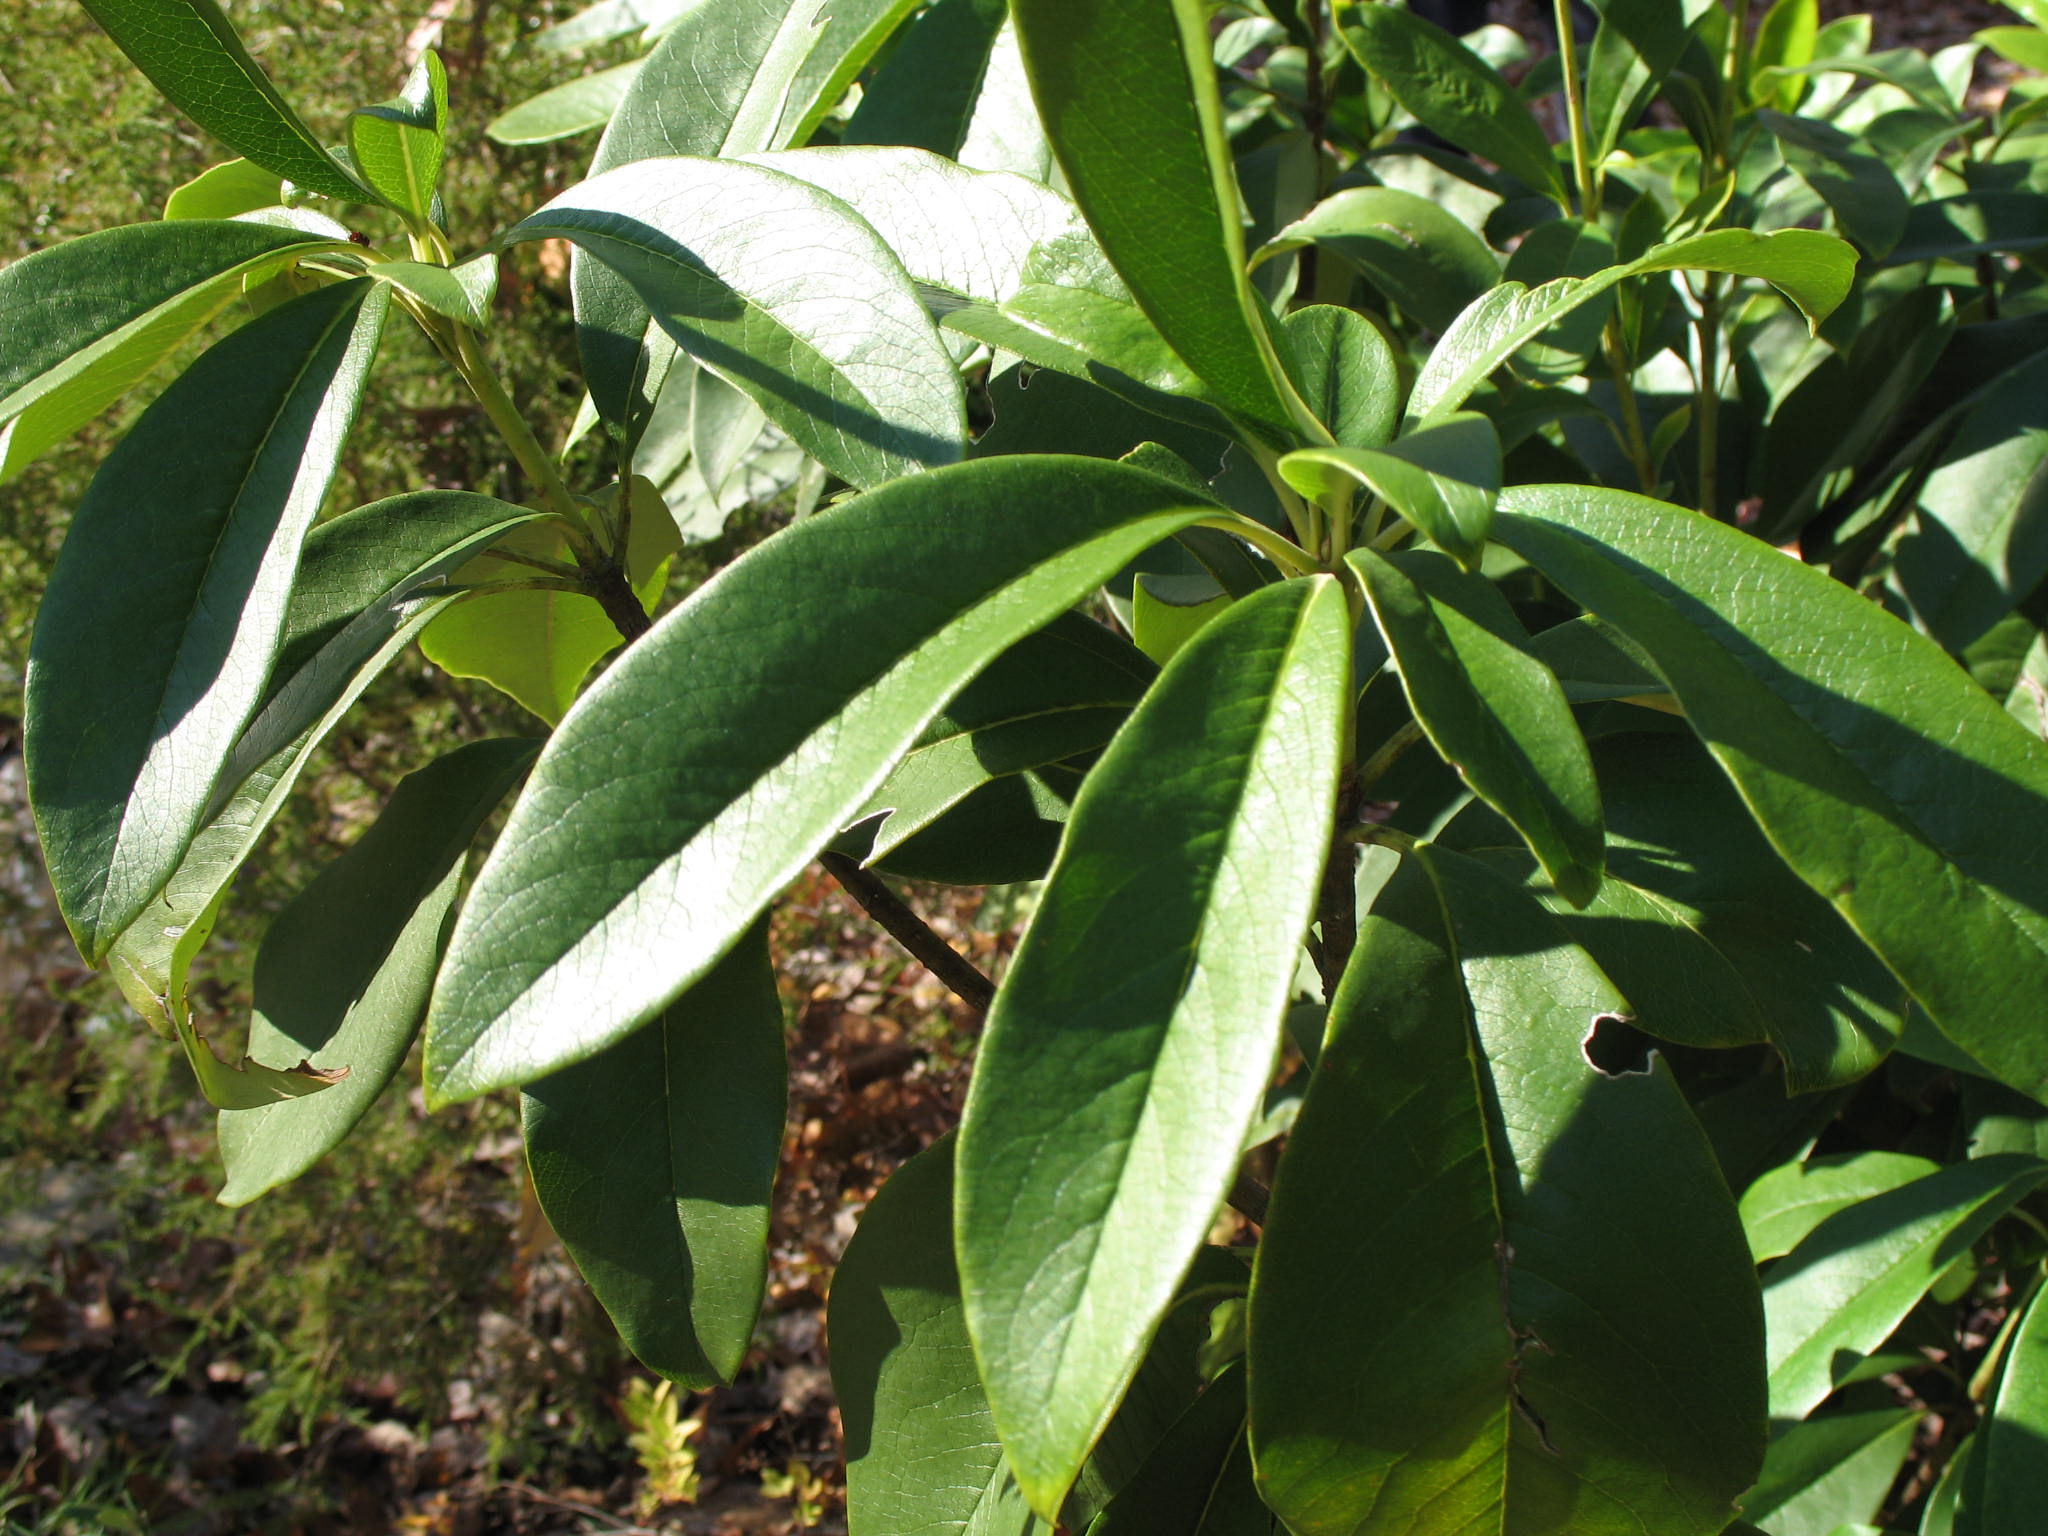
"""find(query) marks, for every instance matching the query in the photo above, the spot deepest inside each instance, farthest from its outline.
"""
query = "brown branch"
(908, 929)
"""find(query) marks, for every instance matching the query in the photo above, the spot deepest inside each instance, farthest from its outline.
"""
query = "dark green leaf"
(88, 319)
(1345, 372)
(1491, 709)
(1570, 1340)
(1198, 1480)
(1128, 96)
(344, 973)
(1138, 1022)
(162, 618)
(1639, 42)
(1866, 198)
(634, 837)
(1826, 1468)
(1783, 1206)
(398, 144)
(2005, 1494)
(1838, 1295)
(655, 1159)
(1452, 92)
(1417, 254)
(1879, 771)
(1971, 225)
(925, 93)
(191, 54)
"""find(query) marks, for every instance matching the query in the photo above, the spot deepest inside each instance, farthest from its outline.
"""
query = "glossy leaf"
(1868, 203)
(344, 972)
(1571, 1339)
(826, 335)
(1829, 1467)
(1839, 1294)
(574, 107)
(2003, 1495)
(654, 1161)
(1638, 44)
(921, 1450)
(1414, 251)
(1444, 478)
(669, 861)
(1137, 1024)
(398, 144)
(129, 723)
(1811, 269)
(925, 93)
(1876, 767)
(1128, 96)
(88, 319)
(1491, 709)
(1453, 92)
(225, 190)
(1345, 372)
(1783, 1206)
(191, 53)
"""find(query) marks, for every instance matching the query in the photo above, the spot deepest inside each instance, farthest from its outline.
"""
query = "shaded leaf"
(1413, 250)
(1783, 1206)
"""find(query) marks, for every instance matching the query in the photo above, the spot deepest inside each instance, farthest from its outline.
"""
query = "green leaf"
(1860, 189)
(1708, 934)
(1345, 372)
(1444, 478)
(2024, 46)
(191, 53)
(1452, 92)
(189, 534)
(1128, 96)
(809, 705)
(825, 333)
(1138, 1022)
(1783, 1206)
(2004, 1495)
(1784, 40)
(1877, 768)
(1198, 1479)
(577, 106)
(1825, 1468)
(225, 190)
(344, 972)
(367, 584)
(1639, 42)
(925, 93)
(609, 19)
(1811, 269)
(1571, 1340)
(1839, 1294)
(724, 424)
(88, 319)
(461, 293)
(1971, 225)
(654, 1161)
(1169, 611)
(398, 144)
(1490, 708)
(921, 1450)
(1417, 254)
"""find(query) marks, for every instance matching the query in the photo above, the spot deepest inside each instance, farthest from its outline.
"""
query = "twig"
(1250, 1199)
(911, 931)
(612, 1523)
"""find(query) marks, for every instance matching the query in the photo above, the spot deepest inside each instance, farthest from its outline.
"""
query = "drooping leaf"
(344, 973)
(1839, 1294)
(1453, 92)
(1413, 250)
(1570, 1339)
(1136, 1026)
(1811, 269)
(1877, 768)
(1832, 1466)
(191, 53)
(130, 722)
(654, 1161)
(1443, 478)
(574, 107)
(1783, 1206)
(1345, 372)
(398, 144)
(1490, 707)
(1128, 96)
(670, 862)
(88, 319)
(825, 332)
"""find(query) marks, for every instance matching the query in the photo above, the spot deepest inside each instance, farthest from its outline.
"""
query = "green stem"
(1575, 114)
(1375, 767)
(532, 459)
(1297, 511)
(1632, 438)
(1282, 552)
(1707, 418)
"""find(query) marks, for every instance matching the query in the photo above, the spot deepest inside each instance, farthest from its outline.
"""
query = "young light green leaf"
(1571, 1340)
(1783, 1206)
(88, 319)
(1811, 269)
(223, 191)
(921, 1450)
(1137, 1024)
(2008, 1482)
(461, 293)
(826, 334)
(1864, 194)
(1852, 1280)
(344, 972)
(1825, 1468)
(669, 861)
(1784, 41)
(574, 107)
(1444, 478)
(151, 652)
(191, 53)
(1877, 768)
(1491, 709)
(1411, 249)
(1128, 96)
(1453, 92)
(654, 1161)
(1345, 371)
(398, 144)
